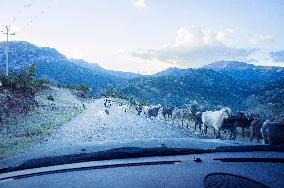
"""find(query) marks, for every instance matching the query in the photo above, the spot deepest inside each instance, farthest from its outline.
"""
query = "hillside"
(268, 101)
(246, 71)
(101, 71)
(207, 87)
(238, 85)
(33, 118)
(222, 83)
(56, 67)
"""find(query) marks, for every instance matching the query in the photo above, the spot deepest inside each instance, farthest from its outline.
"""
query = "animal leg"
(243, 132)
(218, 133)
(251, 136)
(233, 134)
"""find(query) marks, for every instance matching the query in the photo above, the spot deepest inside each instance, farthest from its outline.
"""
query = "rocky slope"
(22, 128)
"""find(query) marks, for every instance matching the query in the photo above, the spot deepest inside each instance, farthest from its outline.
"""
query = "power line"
(7, 33)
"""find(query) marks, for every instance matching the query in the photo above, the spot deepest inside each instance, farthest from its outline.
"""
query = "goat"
(244, 121)
(167, 112)
(231, 125)
(273, 132)
(153, 111)
(139, 109)
(123, 108)
(198, 120)
(102, 116)
(255, 129)
(215, 120)
(181, 114)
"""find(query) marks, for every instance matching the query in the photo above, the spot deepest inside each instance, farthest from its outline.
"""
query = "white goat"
(145, 109)
(123, 108)
(215, 120)
(102, 117)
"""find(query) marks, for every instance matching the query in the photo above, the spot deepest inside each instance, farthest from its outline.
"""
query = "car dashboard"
(220, 169)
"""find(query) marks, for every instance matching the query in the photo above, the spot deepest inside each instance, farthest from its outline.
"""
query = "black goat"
(153, 112)
(167, 112)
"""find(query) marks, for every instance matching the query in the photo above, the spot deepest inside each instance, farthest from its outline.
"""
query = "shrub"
(82, 90)
(23, 80)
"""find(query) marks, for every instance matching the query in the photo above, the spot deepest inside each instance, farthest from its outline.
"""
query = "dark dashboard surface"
(265, 169)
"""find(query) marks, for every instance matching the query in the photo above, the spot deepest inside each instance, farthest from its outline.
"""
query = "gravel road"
(94, 125)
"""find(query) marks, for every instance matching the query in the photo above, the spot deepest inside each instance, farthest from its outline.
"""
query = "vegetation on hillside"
(23, 80)
(208, 88)
(268, 100)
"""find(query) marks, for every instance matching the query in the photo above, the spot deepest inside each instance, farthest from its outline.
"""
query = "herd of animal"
(271, 132)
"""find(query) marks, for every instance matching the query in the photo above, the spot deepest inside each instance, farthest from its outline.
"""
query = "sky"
(147, 36)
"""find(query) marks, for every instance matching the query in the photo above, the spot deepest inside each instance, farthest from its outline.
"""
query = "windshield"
(140, 74)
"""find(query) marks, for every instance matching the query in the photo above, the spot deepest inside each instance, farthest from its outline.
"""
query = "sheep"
(215, 120)
(273, 132)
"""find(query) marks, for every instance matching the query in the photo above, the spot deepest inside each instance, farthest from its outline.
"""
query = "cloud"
(277, 56)
(139, 3)
(261, 39)
(195, 47)
(193, 57)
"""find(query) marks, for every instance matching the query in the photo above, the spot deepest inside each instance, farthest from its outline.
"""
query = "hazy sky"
(147, 36)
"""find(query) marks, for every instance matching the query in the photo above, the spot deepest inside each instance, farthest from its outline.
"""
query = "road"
(94, 125)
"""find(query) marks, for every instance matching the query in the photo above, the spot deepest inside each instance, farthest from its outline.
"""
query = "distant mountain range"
(236, 69)
(246, 71)
(204, 86)
(238, 85)
(56, 67)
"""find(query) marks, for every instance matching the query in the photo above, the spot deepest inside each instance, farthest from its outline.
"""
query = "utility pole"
(7, 48)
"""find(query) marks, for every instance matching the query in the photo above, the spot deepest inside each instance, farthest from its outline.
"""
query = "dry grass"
(18, 134)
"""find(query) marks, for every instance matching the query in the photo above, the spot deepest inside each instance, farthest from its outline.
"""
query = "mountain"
(246, 71)
(173, 71)
(234, 84)
(99, 70)
(56, 67)
(208, 88)
(223, 83)
(268, 101)
(24, 54)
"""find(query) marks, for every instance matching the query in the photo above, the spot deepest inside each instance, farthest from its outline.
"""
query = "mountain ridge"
(57, 67)
(222, 83)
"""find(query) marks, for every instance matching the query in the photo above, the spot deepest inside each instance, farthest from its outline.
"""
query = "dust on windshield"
(91, 72)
